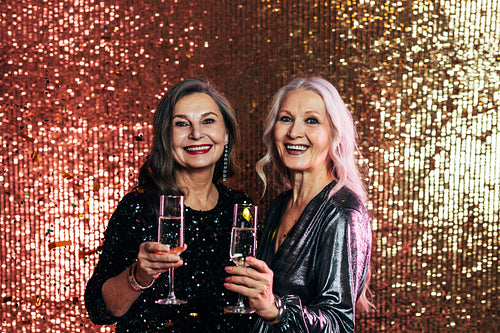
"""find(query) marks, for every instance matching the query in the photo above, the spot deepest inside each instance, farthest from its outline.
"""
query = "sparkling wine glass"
(243, 244)
(171, 232)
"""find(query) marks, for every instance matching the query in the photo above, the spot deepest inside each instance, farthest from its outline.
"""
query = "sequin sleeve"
(122, 238)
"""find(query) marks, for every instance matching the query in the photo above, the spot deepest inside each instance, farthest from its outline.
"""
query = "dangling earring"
(224, 171)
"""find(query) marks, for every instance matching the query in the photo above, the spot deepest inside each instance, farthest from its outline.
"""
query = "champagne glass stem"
(171, 293)
(240, 303)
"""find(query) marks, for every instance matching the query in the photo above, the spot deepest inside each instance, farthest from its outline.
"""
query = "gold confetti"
(35, 158)
(83, 253)
(66, 175)
(53, 245)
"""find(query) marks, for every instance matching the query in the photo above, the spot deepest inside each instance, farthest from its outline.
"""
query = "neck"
(306, 185)
(200, 192)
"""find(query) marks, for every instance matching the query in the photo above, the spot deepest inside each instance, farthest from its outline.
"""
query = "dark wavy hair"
(157, 174)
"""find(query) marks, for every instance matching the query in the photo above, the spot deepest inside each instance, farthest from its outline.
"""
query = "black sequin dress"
(199, 281)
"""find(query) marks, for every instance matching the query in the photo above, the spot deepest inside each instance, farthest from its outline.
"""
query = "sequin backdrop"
(81, 79)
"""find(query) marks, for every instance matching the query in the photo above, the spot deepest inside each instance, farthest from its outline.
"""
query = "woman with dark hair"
(195, 131)
(315, 248)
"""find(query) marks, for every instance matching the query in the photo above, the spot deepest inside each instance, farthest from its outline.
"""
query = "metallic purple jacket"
(320, 268)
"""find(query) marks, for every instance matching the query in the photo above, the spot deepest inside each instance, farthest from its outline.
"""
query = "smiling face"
(198, 132)
(302, 133)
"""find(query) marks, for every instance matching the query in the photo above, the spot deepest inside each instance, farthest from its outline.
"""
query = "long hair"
(157, 174)
(343, 148)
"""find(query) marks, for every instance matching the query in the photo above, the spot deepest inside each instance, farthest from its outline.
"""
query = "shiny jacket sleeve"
(332, 252)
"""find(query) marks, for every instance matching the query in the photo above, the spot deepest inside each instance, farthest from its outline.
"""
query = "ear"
(226, 138)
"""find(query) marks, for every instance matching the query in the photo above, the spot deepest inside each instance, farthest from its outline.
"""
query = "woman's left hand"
(255, 282)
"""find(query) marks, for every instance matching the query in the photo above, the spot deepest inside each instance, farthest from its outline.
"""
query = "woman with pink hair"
(313, 264)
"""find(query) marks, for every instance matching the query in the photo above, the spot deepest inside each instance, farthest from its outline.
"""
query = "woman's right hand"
(255, 282)
(155, 258)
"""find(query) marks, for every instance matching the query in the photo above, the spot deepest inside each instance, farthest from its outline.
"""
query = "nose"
(196, 132)
(295, 130)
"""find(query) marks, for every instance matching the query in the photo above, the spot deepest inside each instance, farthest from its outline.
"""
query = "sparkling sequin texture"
(199, 281)
(79, 81)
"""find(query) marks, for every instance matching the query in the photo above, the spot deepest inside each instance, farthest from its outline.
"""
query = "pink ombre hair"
(343, 148)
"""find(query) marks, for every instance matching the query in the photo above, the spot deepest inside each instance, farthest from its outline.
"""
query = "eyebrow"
(206, 114)
(307, 112)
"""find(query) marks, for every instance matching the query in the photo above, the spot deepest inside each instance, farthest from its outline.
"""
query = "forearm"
(118, 294)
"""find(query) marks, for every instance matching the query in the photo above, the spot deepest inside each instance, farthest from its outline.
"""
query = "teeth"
(199, 148)
(296, 147)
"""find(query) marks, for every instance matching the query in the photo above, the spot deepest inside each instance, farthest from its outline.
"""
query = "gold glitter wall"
(80, 81)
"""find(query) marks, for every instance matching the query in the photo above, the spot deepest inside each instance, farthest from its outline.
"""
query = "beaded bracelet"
(132, 280)
(281, 311)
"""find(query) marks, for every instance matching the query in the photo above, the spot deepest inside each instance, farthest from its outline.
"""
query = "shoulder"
(346, 199)
(133, 211)
(347, 211)
(343, 208)
(136, 196)
(134, 203)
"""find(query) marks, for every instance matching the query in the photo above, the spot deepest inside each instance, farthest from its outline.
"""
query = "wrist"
(278, 303)
(132, 279)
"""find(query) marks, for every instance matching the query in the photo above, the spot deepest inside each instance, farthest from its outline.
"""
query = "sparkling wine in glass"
(243, 244)
(171, 232)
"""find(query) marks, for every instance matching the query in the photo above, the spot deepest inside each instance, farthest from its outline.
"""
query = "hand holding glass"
(243, 244)
(171, 232)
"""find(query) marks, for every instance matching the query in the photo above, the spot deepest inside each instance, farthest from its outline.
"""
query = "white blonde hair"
(343, 148)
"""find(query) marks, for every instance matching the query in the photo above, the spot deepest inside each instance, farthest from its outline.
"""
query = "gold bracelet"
(133, 281)
(278, 302)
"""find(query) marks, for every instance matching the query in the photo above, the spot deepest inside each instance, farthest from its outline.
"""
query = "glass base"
(170, 301)
(239, 309)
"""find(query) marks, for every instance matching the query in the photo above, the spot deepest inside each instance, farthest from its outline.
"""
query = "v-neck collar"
(302, 223)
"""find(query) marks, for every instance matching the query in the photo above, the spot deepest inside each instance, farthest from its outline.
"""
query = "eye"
(208, 121)
(285, 119)
(312, 121)
(181, 123)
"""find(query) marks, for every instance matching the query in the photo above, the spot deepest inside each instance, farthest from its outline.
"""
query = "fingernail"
(249, 259)
(228, 268)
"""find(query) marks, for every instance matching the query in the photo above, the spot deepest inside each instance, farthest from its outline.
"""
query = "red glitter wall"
(80, 81)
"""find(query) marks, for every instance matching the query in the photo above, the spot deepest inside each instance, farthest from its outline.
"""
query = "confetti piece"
(96, 187)
(36, 300)
(256, 59)
(35, 158)
(6, 299)
(53, 245)
(84, 253)
(24, 136)
(66, 175)
(169, 324)
(139, 137)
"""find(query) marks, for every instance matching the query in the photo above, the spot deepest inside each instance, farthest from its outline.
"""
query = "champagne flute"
(171, 232)
(243, 244)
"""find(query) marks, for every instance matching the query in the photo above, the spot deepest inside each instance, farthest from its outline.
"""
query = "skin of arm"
(153, 259)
